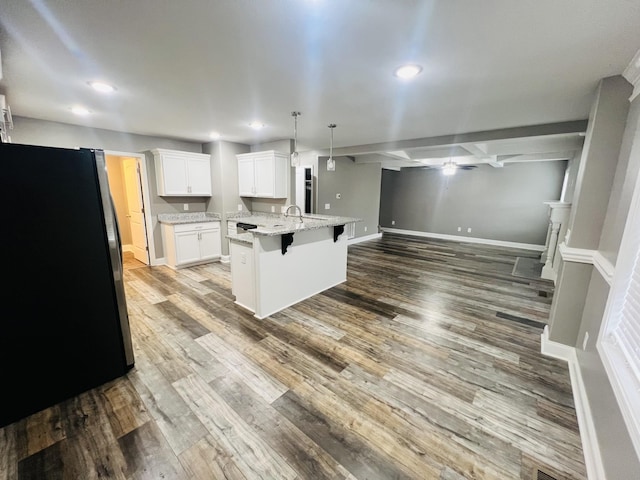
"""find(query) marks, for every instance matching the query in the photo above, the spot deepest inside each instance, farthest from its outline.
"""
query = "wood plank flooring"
(425, 364)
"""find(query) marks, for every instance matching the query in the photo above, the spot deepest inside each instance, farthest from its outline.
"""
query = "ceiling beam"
(562, 128)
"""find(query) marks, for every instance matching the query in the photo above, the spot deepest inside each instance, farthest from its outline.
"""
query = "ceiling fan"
(450, 167)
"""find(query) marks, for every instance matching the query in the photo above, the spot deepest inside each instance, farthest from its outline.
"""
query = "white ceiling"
(185, 68)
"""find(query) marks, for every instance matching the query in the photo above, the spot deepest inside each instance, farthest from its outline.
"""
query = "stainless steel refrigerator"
(64, 327)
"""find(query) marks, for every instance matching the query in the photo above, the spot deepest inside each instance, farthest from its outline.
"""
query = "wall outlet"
(273, 209)
(469, 230)
(459, 229)
(365, 229)
(239, 207)
(393, 222)
(585, 340)
(327, 206)
(186, 207)
(283, 209)
(338, 196)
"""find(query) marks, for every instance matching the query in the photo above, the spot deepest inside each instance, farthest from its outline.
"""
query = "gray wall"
(598, 162)
(503, 204)
(619, 456)
(608, 170)
(622, 189)
(359, 187)
(224, 172)
(604, 158)
(54, 134)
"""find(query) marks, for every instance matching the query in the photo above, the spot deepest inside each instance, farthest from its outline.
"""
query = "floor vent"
(544, 476)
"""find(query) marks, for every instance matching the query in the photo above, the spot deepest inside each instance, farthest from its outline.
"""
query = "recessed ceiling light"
(102, 87)
(79, 110)
(256, 125)
(407, 71)
(214, 135)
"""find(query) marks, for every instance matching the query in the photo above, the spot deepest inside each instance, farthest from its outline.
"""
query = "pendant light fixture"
(295, 161)
(331, 163)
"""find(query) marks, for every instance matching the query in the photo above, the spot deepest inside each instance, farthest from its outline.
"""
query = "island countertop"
(271, 225)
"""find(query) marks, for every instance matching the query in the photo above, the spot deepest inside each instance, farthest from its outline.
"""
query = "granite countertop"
(191, 217)
(271, 225)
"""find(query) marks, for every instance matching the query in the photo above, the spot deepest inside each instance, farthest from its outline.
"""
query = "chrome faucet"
(286, 212)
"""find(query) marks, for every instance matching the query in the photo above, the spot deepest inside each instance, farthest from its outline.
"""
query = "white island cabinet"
(182, 174)
(263, 174)
(192, 243)
(282, 262)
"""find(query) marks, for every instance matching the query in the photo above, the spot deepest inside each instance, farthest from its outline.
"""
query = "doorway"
(127, 180)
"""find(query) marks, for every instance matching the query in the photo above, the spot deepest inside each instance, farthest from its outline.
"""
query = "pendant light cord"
(331, 127)
(295, 130)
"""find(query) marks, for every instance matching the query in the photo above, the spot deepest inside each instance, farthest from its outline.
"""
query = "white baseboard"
(373, 236)
(459, 238)
(225, 258)
(590, 446)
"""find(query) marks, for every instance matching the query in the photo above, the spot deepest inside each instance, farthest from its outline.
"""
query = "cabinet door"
(264, 175)
(210, 245)
(187, 247)
(199, 175)
(174, 175)
(246, 179)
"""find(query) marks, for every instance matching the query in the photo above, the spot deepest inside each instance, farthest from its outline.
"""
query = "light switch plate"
(239, 207)
(327, 206)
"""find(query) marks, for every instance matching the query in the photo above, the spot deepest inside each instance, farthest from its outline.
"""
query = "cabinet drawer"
(195, 227)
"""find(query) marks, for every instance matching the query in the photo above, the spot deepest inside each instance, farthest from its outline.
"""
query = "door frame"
(143, 185)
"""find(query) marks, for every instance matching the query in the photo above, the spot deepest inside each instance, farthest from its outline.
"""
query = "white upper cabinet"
(263, 174)
(182, 174)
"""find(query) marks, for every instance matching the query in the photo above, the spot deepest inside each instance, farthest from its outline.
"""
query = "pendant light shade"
(295, 160)
(331, 164)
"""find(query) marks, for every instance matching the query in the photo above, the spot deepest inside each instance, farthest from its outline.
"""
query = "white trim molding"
(604, 267)
(459, 238)
(593, 257)
(225, 258)
(366, 238)
(590, 446)
(632, 74)
(576, 255)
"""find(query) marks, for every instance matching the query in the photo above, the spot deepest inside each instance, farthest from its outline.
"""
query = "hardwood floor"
(425, 364)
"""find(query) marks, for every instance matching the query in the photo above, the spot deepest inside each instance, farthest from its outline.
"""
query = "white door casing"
(136, 209)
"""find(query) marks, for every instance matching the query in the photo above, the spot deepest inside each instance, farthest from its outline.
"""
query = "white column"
(547, 270)
(558, 216)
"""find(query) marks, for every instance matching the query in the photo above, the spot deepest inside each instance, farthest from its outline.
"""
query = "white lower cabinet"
(191, 243)
(242, 274)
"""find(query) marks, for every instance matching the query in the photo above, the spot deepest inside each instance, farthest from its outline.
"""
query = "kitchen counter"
(283, 261)
(271, 225)
(191, 217)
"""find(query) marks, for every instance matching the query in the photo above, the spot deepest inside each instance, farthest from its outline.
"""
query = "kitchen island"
(279, 261)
